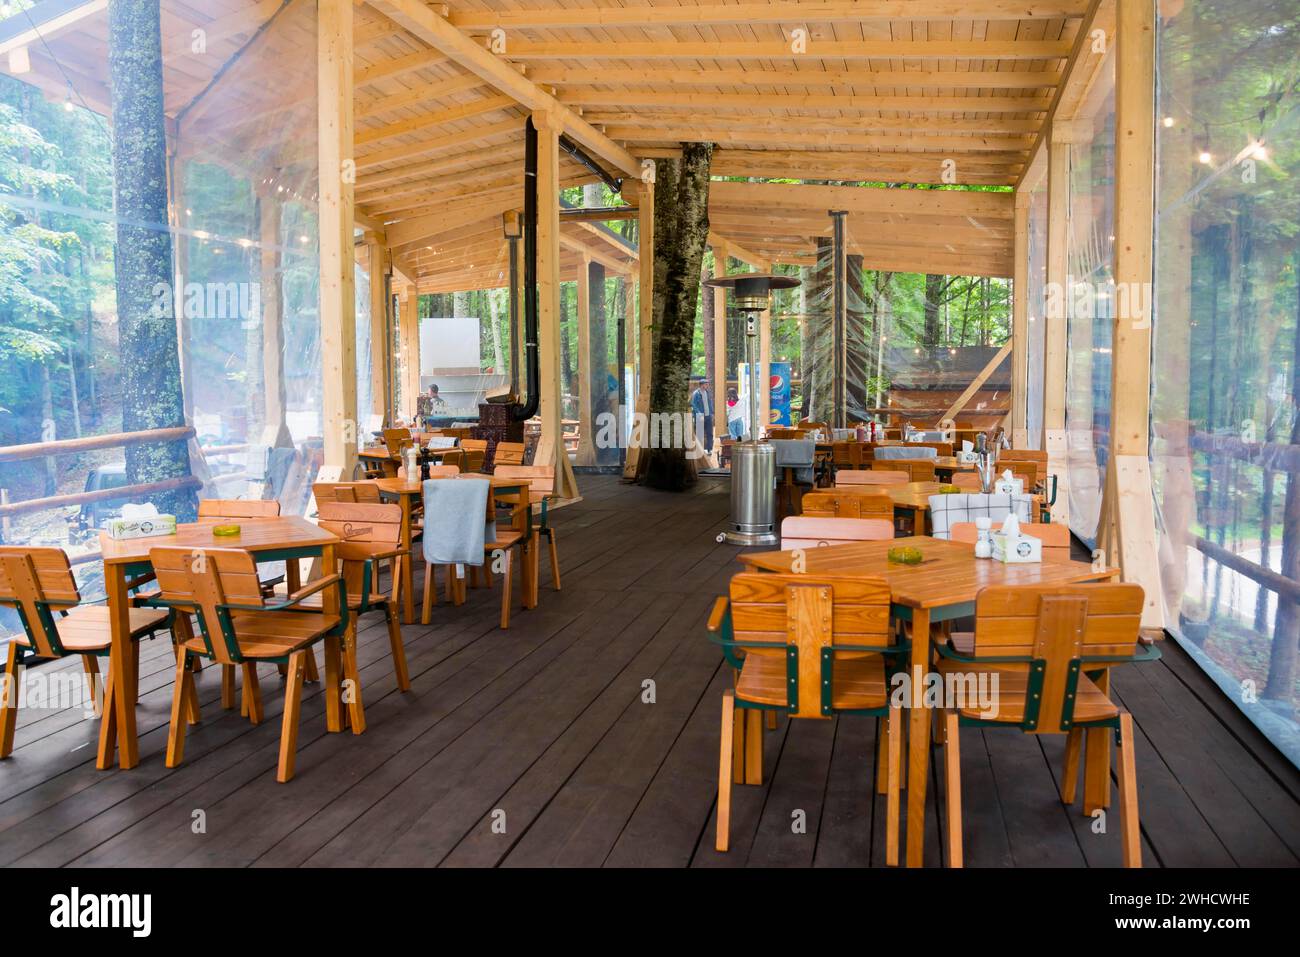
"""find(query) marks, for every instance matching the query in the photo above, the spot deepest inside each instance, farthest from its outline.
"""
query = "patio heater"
(753, 462)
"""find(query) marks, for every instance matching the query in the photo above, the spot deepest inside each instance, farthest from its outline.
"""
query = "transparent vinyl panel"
(1225, 372)
(1036, 299)
(235, 306)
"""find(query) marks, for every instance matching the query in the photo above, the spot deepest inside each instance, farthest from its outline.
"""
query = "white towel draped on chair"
(947, 510)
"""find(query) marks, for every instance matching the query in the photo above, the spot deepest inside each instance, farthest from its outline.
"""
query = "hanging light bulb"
(67, 104)
(1205, 159)
(1168, 121)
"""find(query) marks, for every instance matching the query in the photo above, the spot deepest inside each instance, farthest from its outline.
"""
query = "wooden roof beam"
(780, 50)
(804, 101)
(700, 129)
(554, 75)
(938, 202)
(826, 11)
(427, 26)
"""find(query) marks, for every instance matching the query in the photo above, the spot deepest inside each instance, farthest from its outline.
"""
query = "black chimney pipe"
(528, 409)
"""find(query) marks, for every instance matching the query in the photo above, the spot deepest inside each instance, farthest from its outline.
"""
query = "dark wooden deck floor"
(543, 728)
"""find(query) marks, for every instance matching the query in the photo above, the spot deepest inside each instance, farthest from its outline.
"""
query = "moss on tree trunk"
(152, 395)
(681, 233)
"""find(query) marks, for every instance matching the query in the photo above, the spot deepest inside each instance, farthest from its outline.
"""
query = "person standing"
(702, 410)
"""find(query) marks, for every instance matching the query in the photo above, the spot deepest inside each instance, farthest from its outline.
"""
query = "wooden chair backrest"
(509, 453)
(474, 460)
(811, 531)
(443, 471)
(31, 580)
(238, 508)
(474, 445)
(832, 503)
(1056, 625)
(810, 613)
(787, 434)
(808, 425)
(872, 476)
(397, 439)
(1027, 471)
(940, 448)
(345, 492)
(1037, 456)
(1054, 536)
(847, 454)
(966, 480)
(917, 470)
(541, 478)
(364, 530)
(203, 579)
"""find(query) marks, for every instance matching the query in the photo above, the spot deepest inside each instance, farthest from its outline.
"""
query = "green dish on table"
(949, 489)
(225, 531)
(905, 556)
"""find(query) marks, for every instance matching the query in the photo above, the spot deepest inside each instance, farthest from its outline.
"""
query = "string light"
(1168, 121)
(1205, 158)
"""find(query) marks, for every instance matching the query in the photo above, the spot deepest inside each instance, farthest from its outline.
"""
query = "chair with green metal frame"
(811, 647)
(57, 623)
(1039, 647)
(541, 483)
(237, 627)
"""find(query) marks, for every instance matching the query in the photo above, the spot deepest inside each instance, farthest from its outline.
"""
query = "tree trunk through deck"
(681, 233)
(152, 392)
(820, 364)
(858, 362)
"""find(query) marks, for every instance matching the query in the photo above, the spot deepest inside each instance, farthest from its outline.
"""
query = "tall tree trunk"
(933, 292)
(821, 304)
(598, 355)
(681, 233)
(152, 391)
(855, 323)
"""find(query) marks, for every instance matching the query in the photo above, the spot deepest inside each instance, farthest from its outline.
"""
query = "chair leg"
(135, 673)
(1128, 797)
(180, 705)
(769, 719)
(555, 559)
(1070, 773)
(192, 714)
(351, 673)
(882, 755)
(893, 745)
(399, 650)
(252, 693)
(506, 589)
(452, 590)
(292, 708)
(227, 686)
(430, 595)
(9, 687)
(725, 770)
(310, 674)
(952, 788)
(738, 746)
(753, 746)
(93, 686)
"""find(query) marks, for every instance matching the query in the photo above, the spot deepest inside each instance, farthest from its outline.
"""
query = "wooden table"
(381, 459)
(947, 464)
(407, 492)
(941, 588)
(267, 539)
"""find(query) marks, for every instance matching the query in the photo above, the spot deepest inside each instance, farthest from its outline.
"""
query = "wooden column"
(337, 306)
(275, 430)
(1020, 326)
(1129, 475)
(645, 318)
(719, 347)
(381, 388)
(1055, 343)
(550, 445)
(409, 334)
(586, 439)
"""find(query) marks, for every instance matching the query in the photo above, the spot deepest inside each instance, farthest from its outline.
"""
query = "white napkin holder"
(1009, 484)
(140, 521)
(1014, 548)
(967, 455)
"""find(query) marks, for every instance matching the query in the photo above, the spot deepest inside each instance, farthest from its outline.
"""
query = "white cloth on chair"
(947, 510)
(796, 454)
(895, 452)
(455, 520)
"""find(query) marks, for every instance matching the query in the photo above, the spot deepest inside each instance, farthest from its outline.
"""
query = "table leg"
(118, 727)
(408, 577)
(918, 739)
(333, 652)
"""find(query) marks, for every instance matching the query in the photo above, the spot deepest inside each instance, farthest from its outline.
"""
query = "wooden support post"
(550, 446)
(337, 177)
(586, 438)
(1055, 344)
(719, 348)
(380, 331)
(275, 429)
(645, 319)
(1020, 325)
(409, 336)
(1132, 509)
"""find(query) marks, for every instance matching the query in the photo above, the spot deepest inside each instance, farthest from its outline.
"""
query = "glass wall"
(1035, 294)
(240, 165)
(1226, 375)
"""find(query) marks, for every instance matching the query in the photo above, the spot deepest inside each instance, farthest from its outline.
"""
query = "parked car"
(93, 515)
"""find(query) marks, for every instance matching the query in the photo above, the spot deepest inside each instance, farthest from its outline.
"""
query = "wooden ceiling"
(895, 91)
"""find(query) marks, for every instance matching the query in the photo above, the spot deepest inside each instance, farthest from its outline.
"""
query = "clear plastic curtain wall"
(242, 287)
(910, 344)
(1035, 297)
(1226, 360)
(1089, 301)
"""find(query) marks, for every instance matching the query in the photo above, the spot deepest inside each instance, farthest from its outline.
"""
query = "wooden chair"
(872, 476)
(396, 440)
(918, 470)
(475, 454)
(804, 531)
(1037, 456)
(444, 471)
(456, 459)
(505, 540)
(238, 628)
(541, 482)
(966, 480)
(57, 623)
(508, 453)
(369, 534)
(787, 433)
(1055, 538)
(847, 503)
(811, 647)
(364, 492)
(846, 455)
(1035, 646)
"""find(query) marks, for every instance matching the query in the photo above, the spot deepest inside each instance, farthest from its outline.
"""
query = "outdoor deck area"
(543, 731)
